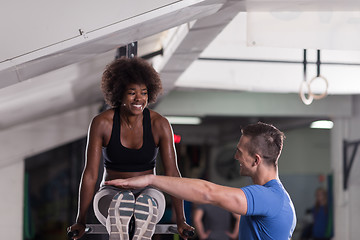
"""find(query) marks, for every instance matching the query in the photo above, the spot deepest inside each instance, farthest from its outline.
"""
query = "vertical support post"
(129, 51)
(318, 63)
(121, 52)
(304, 64)
(132, 50)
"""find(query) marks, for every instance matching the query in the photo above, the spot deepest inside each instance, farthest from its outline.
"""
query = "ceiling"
(52, 57)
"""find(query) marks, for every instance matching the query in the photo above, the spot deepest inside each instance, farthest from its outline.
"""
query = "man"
(266, 208)
(214, 223)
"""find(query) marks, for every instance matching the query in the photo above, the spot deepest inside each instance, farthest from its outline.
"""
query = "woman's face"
(135, 98)
(321, 197)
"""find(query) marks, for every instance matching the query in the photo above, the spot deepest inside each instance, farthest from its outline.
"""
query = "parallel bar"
(274, 61)
(159, 229)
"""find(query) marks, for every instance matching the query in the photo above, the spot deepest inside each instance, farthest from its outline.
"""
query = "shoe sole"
(145, 217)
(120, 212)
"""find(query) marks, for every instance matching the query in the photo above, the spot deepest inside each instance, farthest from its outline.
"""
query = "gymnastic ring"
(319, 96)
(306, 100)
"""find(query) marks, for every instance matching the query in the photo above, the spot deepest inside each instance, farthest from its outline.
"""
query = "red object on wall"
(321, 178)
(177, 138)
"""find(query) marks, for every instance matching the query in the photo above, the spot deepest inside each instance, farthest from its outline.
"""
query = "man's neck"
(264, 176)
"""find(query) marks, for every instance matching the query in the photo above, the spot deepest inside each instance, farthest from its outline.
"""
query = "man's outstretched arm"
(193, 190)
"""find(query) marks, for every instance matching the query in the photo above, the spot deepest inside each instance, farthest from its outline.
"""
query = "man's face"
(242, 155)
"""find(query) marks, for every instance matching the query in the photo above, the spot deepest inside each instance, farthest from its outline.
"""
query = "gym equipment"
(159, 229)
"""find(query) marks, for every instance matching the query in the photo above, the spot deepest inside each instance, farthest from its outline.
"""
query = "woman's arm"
(90, 173)
(164, 134)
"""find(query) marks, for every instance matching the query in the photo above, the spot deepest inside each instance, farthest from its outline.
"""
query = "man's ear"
(257, 159)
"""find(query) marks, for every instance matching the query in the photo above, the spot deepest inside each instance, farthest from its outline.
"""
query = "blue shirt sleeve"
(262, 201)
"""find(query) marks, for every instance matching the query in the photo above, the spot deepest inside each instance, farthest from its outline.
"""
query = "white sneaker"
(119, 215)
(145, 217)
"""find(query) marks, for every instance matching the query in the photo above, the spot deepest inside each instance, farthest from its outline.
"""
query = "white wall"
(26, 140)
(306, 151)
(11, 207)
(347, 207)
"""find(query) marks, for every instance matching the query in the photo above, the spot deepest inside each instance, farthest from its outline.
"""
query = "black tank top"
(119, 158)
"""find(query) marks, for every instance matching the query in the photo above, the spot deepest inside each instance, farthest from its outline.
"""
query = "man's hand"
(131, 183)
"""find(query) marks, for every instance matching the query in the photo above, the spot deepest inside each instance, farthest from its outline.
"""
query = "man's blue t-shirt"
(270, 213)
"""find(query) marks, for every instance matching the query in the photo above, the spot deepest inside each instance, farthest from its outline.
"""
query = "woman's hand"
(76, 231)
(183, 226)
(131, 183)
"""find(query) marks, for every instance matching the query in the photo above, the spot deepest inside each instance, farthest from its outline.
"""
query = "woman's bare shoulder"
(103, 118)
(157, 120)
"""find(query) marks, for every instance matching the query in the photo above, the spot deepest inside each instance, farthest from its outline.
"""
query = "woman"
(129, 136)
(321, 230)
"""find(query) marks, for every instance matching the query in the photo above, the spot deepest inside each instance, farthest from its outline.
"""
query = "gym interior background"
(228, 63)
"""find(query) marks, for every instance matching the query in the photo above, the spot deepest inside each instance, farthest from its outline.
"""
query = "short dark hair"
(124, 71)
(266, 140)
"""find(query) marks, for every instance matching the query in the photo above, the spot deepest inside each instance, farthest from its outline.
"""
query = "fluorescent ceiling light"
(322, 124)
(184, 120)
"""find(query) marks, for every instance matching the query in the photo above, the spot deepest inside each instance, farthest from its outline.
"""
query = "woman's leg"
(102, 200)
(152, 204)
(159, 200)
(149, 209)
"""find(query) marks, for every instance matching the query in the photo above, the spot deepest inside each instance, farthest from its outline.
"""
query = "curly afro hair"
(124, 71)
